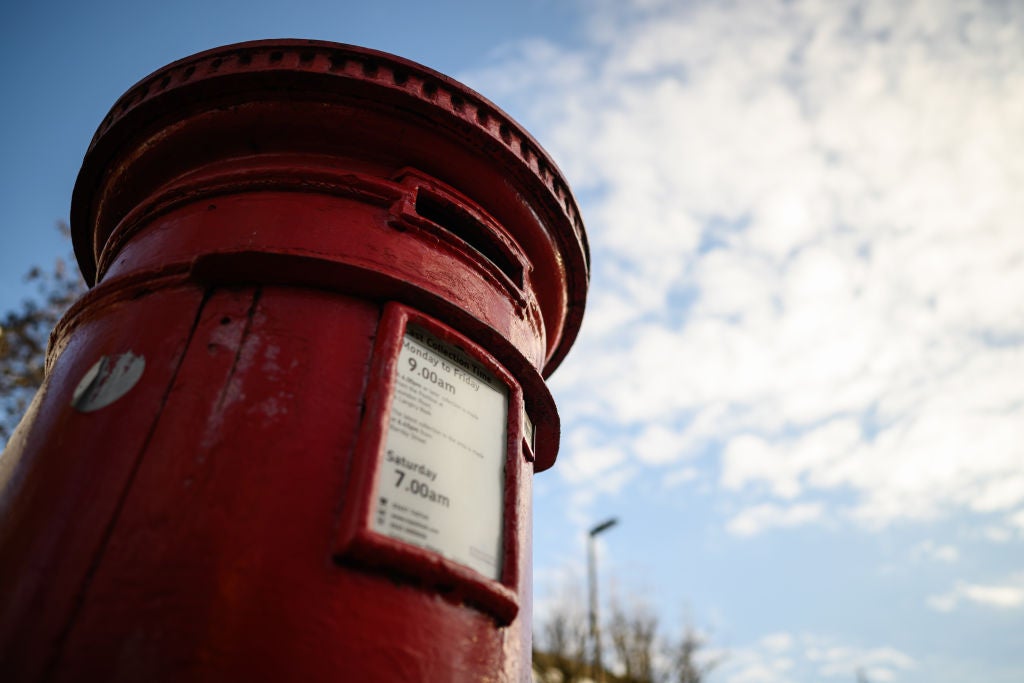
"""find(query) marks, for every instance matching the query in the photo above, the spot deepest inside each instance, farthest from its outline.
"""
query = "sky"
(798, 383)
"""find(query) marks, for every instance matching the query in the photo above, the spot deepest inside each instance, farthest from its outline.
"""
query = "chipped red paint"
(259, 221)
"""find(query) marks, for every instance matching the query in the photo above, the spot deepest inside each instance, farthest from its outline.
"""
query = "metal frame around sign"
(357, 540)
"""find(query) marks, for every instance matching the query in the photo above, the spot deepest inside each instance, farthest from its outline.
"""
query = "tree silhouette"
(640, 651)
(685, 660)
(25, 333)
(633, 631)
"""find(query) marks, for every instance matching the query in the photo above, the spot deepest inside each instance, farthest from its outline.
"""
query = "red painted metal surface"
(188, 497)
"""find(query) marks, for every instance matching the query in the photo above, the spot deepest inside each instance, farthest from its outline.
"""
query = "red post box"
(289, 433)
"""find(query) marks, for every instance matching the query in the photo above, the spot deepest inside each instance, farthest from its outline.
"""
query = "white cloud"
(807, 246)
(560, 590)
(1010, 528)
(1017, 520)
(590, 457)
(789, 466)
(777, 642)
(1007, 595)
(680, 476)
(758, 518)
(935, 552)
(783, 657)
(879, 663)
(595, 467)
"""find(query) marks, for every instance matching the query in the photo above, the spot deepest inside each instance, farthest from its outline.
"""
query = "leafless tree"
(640, 652)
(684, 657)
(25, 333)
(564, 647)
(633, 632)
(562, 638)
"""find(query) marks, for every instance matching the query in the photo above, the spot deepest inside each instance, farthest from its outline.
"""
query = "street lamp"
(595, 628)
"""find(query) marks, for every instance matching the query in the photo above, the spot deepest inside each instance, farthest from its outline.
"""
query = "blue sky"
(798, 383)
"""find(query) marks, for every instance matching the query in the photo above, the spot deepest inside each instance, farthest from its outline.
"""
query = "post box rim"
(194, 74)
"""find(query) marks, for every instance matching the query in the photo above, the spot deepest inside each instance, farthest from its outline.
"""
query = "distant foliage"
(686, 660)
(636, 648)
(25, 333)
(563, 640)
(633, 632)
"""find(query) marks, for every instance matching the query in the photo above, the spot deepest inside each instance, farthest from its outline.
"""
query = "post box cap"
(306, 71)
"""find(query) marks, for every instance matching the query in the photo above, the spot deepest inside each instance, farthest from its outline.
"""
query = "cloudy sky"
(800, 381)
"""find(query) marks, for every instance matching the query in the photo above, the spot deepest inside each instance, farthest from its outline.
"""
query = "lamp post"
(595, 628)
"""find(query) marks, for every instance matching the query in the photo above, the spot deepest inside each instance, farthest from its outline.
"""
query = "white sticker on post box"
(442, 470)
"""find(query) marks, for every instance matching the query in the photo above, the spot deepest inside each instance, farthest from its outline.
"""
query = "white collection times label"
(442, 470)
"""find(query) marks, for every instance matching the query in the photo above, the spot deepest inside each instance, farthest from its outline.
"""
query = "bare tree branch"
(640, 652)
(24, 335)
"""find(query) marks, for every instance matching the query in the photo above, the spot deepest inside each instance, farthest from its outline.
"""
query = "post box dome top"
(315, 71)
